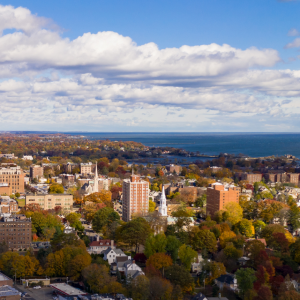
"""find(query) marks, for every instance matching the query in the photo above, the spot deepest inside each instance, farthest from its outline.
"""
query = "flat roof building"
(15, 231)
(218, 196)
(14, 176)
(135, 197)
(50, 201)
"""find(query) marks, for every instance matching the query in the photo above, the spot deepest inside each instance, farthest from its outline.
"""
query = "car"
(37, 287)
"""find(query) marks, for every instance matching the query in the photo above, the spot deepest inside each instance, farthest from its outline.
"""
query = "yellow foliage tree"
(235, 212)
(226, 237)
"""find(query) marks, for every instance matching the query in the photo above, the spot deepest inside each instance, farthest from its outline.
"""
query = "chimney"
(97, 238)
(112, 244)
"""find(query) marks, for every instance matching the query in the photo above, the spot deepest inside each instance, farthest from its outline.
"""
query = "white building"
(111, 254)
(163, 210)
(27, 157)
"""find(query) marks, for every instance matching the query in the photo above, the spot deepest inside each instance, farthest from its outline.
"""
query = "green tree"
(179, 275)
(134, 232)
(246, 228)
(187, 255)
(155, 243)
(56, 188)
(104, 217)
(172, 246)
(74, 220)
(203, 239)
(245, 279)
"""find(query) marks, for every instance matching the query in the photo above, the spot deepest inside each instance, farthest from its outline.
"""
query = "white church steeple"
(163, 212)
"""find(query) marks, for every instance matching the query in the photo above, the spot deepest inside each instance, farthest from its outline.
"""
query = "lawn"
(21, 202)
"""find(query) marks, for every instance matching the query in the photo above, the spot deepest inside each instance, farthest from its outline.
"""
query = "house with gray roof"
(126, 266)
(111, 254)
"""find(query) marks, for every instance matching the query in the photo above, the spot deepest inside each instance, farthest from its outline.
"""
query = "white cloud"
(97, 75)
(293, 32)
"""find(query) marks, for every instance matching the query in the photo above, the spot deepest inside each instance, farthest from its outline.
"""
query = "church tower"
(95, 187)
(163, 204)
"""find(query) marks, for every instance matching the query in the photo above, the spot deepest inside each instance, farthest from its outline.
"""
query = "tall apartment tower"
(218, 196)
(14, 176)
(135, 197)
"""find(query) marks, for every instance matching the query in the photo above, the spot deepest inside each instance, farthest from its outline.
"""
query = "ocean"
(252, 144)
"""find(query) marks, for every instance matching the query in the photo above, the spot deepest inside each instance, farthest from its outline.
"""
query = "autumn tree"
(235, 212)
(103, 196)
(216, 269)
(246, 228)
(159, 261)
(152, 206)
(56, 188)
(203, 239)
(97, 277)
(226, 237)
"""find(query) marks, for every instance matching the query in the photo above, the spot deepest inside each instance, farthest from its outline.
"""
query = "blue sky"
(250, 85)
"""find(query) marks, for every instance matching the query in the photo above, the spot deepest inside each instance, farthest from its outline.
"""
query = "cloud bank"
(97, 76)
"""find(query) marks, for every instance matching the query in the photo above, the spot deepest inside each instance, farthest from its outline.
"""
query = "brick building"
(5, 189)
(14, 176)
(8, 205)
(4, 280)
(69, 167)
(15, 231)
(218, 196)
(174, 168)
(135, 197)
(36, 171)
(251, 177)
(50, 201)
(87, 168)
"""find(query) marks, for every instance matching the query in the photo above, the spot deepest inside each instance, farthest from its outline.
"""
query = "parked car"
(37, 287)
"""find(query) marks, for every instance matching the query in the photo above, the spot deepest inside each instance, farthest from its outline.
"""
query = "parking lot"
(44, 293)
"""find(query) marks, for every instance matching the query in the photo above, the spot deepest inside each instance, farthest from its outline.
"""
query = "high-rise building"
(14, 176)
(15, 231)
(36, 171)
(135, 197)
(162, 210)
(218, 196)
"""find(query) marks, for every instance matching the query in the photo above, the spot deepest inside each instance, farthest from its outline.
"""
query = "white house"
(111, 254)
(98, 246)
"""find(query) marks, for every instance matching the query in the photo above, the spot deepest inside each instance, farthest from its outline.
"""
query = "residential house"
(126, 266)
(227, 280)
(98, 246)
(111, 253)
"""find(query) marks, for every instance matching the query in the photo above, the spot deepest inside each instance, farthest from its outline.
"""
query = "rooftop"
(67, 289)
(7, 290)
(4, 277)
